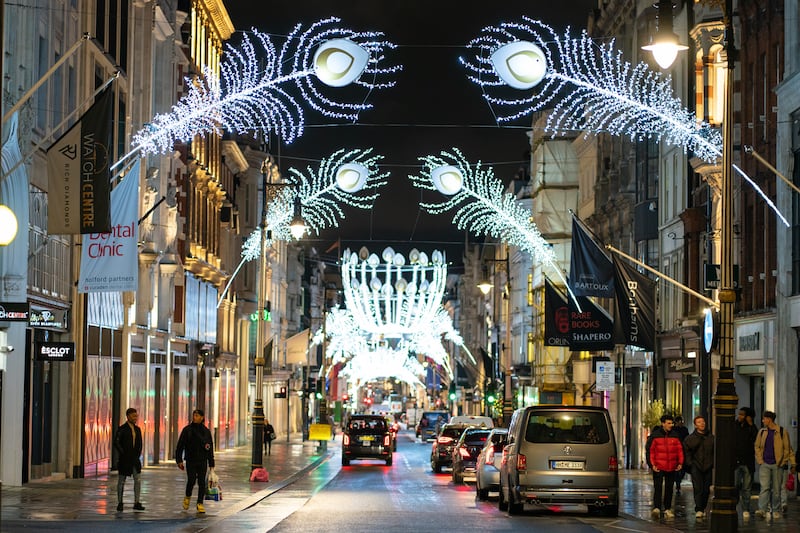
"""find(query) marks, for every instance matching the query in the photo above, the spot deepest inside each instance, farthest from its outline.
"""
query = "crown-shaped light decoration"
(253, 92)
(483, 206)
(589, 87)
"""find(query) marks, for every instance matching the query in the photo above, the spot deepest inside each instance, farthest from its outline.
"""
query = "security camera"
(6, 349)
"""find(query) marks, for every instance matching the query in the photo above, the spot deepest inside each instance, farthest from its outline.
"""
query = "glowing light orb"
(8, 225)
(339, 62)
(521, 64)
(351, 177)
(447, 179)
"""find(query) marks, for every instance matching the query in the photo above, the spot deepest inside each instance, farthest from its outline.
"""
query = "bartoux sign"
(55, 351)
(14, 311)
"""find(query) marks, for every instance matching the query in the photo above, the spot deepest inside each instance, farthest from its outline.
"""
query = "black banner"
(591, 328)
(556, 316)
(79, 175)
(635, 310)
(590, 271)
(14, 312)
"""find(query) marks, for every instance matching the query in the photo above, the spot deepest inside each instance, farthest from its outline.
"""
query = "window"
(567, 427)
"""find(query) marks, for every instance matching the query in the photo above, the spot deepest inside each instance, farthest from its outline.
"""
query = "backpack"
(259, 474)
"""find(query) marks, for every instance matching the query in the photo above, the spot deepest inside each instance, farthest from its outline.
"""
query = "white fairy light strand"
(251, 93)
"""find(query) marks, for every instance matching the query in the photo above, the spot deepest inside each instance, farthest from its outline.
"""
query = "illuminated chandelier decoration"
(383, 362)
(392, 300)
(592, 88)
(252, 93)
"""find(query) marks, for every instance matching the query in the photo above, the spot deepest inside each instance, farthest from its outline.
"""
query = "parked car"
(487, 468)
(430, 423)
(465, 452)
(442, 448)
(560, 455)
(366, 437)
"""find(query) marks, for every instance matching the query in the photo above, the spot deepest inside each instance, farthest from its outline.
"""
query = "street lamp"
(8, 225)
(297, 228)
(723, 504)
(664, 45)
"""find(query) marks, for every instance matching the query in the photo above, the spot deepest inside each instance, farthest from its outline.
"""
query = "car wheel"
(483, 494)
(345, 462)
(514, 508)
(457, 478)
(389, 461)
(502, 504)
(436, 467)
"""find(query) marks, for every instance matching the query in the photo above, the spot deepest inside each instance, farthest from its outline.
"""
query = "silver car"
(487, 470)
(560, 455)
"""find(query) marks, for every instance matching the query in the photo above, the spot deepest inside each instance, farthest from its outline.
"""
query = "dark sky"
(433, 106)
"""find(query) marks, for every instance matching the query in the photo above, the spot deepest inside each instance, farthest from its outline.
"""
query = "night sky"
(433, 107)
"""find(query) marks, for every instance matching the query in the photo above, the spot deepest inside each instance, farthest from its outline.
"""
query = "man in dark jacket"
(128, 443)
(196, 446)
(744, 450)
(699, 458)
(682, 432)
(664, 454)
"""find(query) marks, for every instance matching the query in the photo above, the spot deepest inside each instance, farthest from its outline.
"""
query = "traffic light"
(320, 388)
(452, 394)
(491, 395)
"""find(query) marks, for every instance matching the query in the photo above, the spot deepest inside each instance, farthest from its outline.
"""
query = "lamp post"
(297, 228)
(723, 505)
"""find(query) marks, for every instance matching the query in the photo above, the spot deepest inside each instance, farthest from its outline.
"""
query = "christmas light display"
(337, 180)
(253, 91)
(590, 88)
(383, 363)
(483, 206)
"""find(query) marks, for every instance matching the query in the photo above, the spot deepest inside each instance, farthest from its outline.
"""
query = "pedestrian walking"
(664, 454)
(128, 443)
(683, 432)
(269, 436)
(772, 453)
(699, 460)
(196, 447)
(744, 446)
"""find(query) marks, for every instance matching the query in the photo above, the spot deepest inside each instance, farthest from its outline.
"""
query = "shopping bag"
(259, 474)
(790, 482)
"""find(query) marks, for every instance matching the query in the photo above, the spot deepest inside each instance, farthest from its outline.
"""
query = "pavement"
(51, 505)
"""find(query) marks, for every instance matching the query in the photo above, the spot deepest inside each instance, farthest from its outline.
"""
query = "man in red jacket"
(665, 458)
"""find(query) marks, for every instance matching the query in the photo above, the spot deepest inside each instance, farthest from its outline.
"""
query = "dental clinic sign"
(55, 351)
(109, 261)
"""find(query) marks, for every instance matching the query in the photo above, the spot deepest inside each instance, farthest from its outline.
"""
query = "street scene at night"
(371, 266)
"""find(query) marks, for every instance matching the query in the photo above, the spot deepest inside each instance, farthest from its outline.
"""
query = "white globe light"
(521, 64)
(339, 62)
(8, 225)
(447, 179)
(351, 177)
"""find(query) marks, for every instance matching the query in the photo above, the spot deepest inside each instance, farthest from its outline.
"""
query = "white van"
(473, 420)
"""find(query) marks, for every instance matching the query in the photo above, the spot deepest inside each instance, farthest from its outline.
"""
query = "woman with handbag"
(269, 436)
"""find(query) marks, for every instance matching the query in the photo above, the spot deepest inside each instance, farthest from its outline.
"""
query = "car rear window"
(567, 427)
(367, 424)
(473, 438)
(454, 432)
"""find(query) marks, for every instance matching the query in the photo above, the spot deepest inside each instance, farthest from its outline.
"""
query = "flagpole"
(678, 284)
(37, 145)
(85, 37)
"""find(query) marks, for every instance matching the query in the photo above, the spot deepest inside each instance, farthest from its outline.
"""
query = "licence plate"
(367, 439)
(566, 465)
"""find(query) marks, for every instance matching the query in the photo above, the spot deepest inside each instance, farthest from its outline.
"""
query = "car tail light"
(522, 462)
(346, 440)
(444, 440)
(613, 464)
(490, 456)
(387, 440)
(464, 452)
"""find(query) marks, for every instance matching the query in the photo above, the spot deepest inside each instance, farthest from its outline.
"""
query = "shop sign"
(55, 351)
(14, 311)
(45, 318)
(687, 366)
